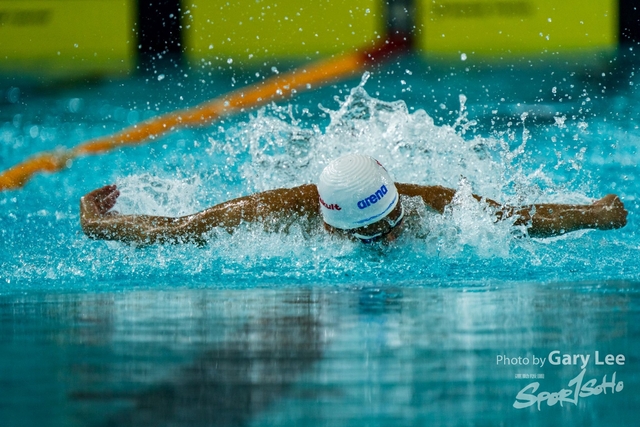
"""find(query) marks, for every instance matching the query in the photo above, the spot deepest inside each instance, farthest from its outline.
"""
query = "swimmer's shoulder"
(303, 199)
(412, 190)
(307, 189)
(434, 196)
(308, 198)
(298, 205)
(305, 194)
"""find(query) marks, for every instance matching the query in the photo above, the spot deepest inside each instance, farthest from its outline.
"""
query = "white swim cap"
(355, 191)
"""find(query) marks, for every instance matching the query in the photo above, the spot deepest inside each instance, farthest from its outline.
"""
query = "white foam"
(154, 195)
(283, 147)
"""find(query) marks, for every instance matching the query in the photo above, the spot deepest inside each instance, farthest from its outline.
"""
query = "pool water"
(284, 329)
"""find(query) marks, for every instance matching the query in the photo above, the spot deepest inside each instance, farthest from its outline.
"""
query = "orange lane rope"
(276, 88)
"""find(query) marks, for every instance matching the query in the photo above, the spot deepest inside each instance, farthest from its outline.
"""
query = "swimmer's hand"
(609, 213)
(95, 207)
(99, 202)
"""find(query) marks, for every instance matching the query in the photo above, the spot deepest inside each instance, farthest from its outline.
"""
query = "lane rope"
(276, 88)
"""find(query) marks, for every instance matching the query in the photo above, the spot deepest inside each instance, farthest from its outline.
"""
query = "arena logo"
(374, 198)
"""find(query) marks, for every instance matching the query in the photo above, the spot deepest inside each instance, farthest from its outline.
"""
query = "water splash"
(155, 195)
(285, 146)
(276, 147)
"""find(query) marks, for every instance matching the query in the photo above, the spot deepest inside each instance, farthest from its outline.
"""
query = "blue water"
(289, 329)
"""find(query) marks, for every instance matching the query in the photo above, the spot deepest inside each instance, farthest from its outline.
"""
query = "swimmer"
(355, 198)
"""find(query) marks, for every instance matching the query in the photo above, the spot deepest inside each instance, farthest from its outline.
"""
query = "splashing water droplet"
(365, 77)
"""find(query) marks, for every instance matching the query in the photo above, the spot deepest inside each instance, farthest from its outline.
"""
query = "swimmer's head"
(356, 191)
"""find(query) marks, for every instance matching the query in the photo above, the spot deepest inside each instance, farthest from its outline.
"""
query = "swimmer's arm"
(541, 220)
(267, 207)
(98, 223)
(546, 220)
(436, 196)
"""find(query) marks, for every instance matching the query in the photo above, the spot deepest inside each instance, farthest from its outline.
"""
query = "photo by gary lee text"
(556, 357)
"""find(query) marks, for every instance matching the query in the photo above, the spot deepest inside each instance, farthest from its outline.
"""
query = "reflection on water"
(229, 381)
(360, 356)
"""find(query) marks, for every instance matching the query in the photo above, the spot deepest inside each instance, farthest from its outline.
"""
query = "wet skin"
(302, 204)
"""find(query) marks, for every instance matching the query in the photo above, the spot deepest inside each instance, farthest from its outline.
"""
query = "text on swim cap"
(378, 195)
(331, 207)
